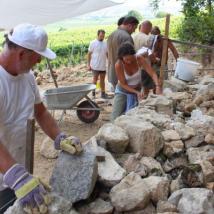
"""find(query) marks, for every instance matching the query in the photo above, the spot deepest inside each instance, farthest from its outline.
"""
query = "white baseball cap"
(32, 37)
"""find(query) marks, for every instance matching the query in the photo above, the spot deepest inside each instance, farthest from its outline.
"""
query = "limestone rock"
(100, 206)
(115, 137)
(194, 141)
(196, 155)
(133, 164)
(207, 80)
(74, 176)
(179, 96)
(169, 213)
(144, 137)
(150, 209)
(202, 123)
(165, 206)
(208, 171)
(121, 158)
(160, 103)
(175, 84)
(205, 93)
(192, 175)
(47, 149)
(209, 139)
(161, 121)
(173, 147)
(175, 162)
(184, 131)
(58, 205)
(170, 135)
(130, 194)
(110, 172)
(159, 188)
(199, 200)
(176, 184)
(153, 166)
(210, 186)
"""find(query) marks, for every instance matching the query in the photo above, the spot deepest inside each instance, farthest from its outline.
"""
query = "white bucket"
(186, 69)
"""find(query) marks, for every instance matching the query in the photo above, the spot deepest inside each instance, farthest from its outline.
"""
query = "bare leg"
(102, 81)
(95, 78)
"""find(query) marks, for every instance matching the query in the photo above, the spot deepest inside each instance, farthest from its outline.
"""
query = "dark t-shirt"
(113, 43)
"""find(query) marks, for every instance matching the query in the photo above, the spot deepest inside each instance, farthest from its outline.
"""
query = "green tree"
(197, 25)
(135, 14)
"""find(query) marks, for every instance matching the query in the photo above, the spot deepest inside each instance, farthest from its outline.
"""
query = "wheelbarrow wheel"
(88, 116)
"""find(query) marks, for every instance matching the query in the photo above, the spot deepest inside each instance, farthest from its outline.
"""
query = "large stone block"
(193, 201)
(161, 121)
(74, 176)
(159, 188)
(110, 172)
(130, 194)
(196, 155)
(115, 137)
(160, 103)
(170, 135)
(144, 137)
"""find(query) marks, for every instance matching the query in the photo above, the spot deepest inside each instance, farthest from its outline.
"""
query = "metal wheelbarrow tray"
(67, 98)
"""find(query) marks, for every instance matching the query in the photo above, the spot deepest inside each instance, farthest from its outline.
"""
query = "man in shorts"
(97, 56)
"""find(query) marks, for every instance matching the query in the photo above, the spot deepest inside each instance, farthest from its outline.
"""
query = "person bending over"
(128, 70)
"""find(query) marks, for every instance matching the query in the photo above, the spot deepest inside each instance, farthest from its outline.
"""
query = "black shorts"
(7, 199)
(96, 72)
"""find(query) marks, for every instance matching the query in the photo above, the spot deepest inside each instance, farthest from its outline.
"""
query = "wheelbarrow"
(73, 98)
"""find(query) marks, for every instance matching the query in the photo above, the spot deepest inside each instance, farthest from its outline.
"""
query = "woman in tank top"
(128, 70)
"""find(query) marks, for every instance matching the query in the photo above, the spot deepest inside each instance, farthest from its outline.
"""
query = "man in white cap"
(20, 100)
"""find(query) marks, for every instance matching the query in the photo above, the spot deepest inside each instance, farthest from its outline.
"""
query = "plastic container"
(186, 69)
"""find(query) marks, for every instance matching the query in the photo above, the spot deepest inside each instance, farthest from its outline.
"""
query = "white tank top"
(134, 79)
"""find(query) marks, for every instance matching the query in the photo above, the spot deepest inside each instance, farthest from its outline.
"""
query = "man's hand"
(140, 95)
(70, 144)
(28, 189)
(89, 67)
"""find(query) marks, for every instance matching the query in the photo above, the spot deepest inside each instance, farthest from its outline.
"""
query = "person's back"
(119, 36)
(114, 41)
(143, 38)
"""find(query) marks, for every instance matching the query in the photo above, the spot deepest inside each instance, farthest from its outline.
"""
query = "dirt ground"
(70, 124)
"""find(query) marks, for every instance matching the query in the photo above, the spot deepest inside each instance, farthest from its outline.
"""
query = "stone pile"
(154, 159)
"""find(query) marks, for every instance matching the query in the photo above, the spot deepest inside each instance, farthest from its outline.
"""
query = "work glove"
(28, 189)
(70, 144)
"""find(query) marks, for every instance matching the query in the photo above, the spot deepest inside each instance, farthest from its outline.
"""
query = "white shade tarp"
(41, 12)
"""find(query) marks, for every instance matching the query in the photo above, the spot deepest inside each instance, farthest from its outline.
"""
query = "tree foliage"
(136, 14)
(198, 20)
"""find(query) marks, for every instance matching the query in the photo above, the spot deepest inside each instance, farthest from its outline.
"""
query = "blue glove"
(28, 189)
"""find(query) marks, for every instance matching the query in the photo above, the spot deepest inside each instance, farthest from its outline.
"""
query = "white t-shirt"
(98, 56)
(142, 40)
(18, 94)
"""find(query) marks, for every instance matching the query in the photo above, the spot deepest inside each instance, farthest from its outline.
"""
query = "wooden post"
(29, 151)
(165, 50)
